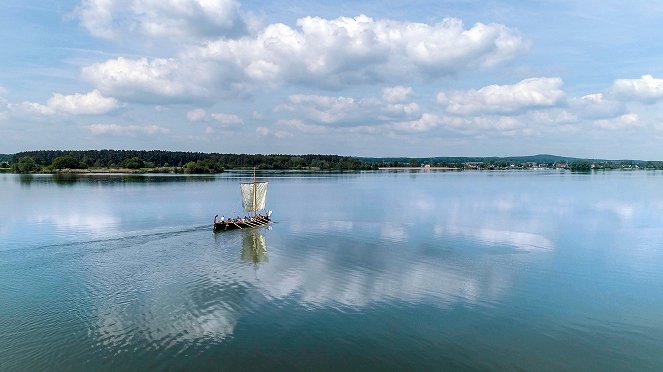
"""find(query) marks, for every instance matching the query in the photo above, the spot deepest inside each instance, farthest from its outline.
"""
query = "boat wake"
(133, 237)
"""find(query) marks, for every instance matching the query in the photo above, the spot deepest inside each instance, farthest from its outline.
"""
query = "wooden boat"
(254, 196)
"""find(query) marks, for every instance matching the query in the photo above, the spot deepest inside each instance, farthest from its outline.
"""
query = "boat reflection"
(254, 247)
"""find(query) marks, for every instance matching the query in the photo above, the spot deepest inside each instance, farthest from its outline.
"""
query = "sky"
(361, 78)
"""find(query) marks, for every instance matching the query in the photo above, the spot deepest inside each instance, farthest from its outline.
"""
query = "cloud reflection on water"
(521, 241)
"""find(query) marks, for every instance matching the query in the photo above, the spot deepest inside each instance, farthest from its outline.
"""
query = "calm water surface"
(361, 271)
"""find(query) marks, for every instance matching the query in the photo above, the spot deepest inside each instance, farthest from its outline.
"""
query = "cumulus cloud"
(92, 103)
(348, 50)
(646, 89)
(121, 19)
(483, 124)
(196, 115)
(505, 99)
(396, 94)
(140, 79)
(596, 106)
(327, 53)
(425, 123)
(623, 122)
(199, 114)
(322, 114)
(267, 132)
(300, 126)
(503, 124)
(227, 119)
(347, 111)
(126, 130)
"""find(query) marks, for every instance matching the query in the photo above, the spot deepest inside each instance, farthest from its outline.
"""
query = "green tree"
(134, 163)
(203, 166)
(414, 163)
(296, 162)
(580, 166)
(25, 164)
(65, 162)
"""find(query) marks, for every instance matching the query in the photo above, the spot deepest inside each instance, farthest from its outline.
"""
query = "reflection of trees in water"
(254, 247)
(26, 179)
(152, 178)
(61, 179)
(68, 179)
(64, 179)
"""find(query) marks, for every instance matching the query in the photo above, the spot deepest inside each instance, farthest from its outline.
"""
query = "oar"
(240, 227)
(251, 223)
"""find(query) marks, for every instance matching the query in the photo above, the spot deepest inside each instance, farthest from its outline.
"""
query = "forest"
(162, 161)
(177, 161)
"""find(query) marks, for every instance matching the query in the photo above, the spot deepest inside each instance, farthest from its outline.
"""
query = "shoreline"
(152, 172)
(419, 168)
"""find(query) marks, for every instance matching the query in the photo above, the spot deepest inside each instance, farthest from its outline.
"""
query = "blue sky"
(367, 78)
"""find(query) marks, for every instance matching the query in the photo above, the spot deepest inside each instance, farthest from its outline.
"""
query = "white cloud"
(262, 131)
(396, 94)
(196, 115)
(623, 122)
(199, 114)
(302, 127)
(123, 19)
(126, 130)
(425, 123)
(227, 119)
(596, 106)
(139, 79)
(646, 89)
(505, 124)
(505, 99)
(552, 117)
(92, 103)
(348, 50)
(267, 132)
(326, 53)
(348, 111)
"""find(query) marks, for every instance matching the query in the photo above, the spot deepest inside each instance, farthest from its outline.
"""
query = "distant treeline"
(447, 160)
(552, 161)
(199, 162)
(190, 162)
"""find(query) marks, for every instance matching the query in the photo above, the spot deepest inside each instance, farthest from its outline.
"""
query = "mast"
(254, 192)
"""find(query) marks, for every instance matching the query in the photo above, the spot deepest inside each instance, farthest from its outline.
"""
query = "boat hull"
(227, 225)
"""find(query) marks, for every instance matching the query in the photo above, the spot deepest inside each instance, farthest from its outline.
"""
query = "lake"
(534, 270)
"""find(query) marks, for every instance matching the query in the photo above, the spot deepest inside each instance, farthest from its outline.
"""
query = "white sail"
(253, 201)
